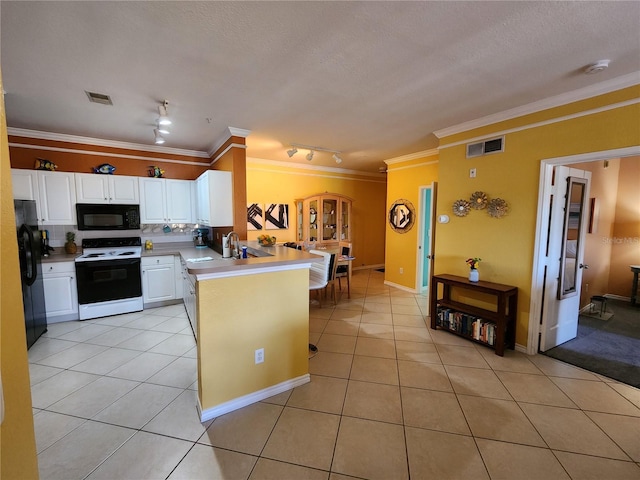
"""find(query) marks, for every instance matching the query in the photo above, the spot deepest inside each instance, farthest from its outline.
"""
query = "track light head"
(163, 119)
(310, 155)
(163, 129)
(159, 139)
(292, 152)
(337, 158)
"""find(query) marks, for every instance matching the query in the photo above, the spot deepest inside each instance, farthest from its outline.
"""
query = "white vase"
(474, 276)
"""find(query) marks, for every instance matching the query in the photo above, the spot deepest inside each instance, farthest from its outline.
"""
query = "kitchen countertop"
(59, 255)
(277, 256)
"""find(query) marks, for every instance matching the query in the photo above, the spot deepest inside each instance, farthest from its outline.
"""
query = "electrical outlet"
(401, 270)
(472, 173)
(259, 355)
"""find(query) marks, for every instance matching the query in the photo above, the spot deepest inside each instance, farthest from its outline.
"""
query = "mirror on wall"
(571, 236)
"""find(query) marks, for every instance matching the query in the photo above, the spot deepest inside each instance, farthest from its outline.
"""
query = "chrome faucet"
(230, 236)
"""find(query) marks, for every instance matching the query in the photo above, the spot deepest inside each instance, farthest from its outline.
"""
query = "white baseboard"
(401, 287)
(521, 348)
(236, 403)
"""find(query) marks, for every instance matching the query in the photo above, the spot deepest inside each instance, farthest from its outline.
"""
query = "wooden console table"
(493, 329)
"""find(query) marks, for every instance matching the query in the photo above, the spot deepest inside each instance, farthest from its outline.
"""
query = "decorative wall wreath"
(402, 216)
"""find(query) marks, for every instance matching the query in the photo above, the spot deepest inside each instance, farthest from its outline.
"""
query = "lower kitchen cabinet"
(60, 291)
(189, 298)
(158, 279)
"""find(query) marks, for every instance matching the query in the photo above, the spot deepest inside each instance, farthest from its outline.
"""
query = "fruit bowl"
(266, 240)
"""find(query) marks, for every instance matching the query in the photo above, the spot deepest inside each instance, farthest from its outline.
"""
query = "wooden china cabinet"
(324, 219)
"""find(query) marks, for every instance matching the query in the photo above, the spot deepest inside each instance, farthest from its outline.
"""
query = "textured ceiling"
(373, 80)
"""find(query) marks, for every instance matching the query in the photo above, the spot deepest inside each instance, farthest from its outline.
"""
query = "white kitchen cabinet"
(158, 279)
(214, 205)
(166, 201)
(57, 194)
(60, 291)
(95, 188)
(54, 193)
(25, 184)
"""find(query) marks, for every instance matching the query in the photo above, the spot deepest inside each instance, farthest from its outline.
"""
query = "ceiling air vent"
(488, 146)
(99, 98)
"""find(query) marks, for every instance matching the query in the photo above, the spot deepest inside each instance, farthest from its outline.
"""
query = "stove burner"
(126, 253)
(94, 255)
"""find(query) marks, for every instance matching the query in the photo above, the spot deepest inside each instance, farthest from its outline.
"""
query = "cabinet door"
(91, 188)
(220, 198)
(158, 283)
(329, 219)
(178, 200)
(203, 204)
(152, 200)
(345, 221)
(124, 189)
(311, 213)
(25, 184)
(57, 193)
(60, 295)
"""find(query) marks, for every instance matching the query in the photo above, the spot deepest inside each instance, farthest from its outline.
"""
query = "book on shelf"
(468, 325)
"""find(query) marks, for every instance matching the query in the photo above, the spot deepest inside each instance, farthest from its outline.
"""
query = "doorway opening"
(538, 307)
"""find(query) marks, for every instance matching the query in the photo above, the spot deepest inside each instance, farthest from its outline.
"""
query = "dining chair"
(322, 274)
(344, 271)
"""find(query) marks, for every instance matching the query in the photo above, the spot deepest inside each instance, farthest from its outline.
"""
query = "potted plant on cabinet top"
(70, 247)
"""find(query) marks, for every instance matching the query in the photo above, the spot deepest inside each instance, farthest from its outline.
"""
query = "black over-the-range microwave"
(98, 216)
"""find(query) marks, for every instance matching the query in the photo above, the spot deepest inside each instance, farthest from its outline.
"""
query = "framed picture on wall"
(276, 216)
(254, 217)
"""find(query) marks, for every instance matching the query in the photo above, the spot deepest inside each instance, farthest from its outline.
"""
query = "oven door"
(101, 281)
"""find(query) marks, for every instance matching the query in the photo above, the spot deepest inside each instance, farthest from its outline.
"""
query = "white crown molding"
(231, 132)
(415, 165)
(412, 156)
(61, 137)
(551, 102)
(318, 168)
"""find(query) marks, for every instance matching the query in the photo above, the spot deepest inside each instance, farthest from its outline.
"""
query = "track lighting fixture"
(163, 119)
(312, 151)
(159, 138)
(163, 129)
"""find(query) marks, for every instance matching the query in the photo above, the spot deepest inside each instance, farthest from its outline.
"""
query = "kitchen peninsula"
(243, 306)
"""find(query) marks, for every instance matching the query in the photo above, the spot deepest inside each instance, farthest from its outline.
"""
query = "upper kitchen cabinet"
(325, 219)
(214, 193)
(57, 192)
(25, 185)
(94, 188)
(166, 201)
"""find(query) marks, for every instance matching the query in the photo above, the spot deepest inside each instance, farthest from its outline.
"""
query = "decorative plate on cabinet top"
(461, 207)
(479, 200)
(497, 208)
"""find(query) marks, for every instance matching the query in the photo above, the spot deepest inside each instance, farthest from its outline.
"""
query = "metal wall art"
(402, 216)
(496, 207)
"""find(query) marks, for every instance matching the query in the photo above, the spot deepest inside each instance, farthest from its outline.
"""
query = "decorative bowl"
(266, 240)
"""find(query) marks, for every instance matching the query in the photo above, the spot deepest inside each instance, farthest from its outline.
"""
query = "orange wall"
(625, 248)
(76, 157)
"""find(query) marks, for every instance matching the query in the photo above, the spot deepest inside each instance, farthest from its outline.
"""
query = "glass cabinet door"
(329, 218)
(299, 218)
(313, 220)
(345, 211)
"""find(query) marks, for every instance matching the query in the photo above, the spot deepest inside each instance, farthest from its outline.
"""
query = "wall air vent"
(483, 148)
(99, 98)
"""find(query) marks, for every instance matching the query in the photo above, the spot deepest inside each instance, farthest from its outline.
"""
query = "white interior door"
(568, 198)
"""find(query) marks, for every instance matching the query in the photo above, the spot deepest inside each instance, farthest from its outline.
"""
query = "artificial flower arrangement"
(473, 262)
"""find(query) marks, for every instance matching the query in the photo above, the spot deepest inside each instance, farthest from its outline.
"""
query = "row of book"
(465, 324)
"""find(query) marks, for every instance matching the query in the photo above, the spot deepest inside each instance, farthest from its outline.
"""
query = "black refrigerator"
(29, 243)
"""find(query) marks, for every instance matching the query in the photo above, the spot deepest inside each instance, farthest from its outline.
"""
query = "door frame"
(537, 275)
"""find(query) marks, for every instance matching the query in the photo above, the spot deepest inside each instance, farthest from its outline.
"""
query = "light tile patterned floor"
(114, 398)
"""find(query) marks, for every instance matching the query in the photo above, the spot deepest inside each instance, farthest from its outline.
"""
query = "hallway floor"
(389, 398)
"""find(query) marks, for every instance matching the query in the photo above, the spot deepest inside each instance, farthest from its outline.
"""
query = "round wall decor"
(461, 208)
(402, 216)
